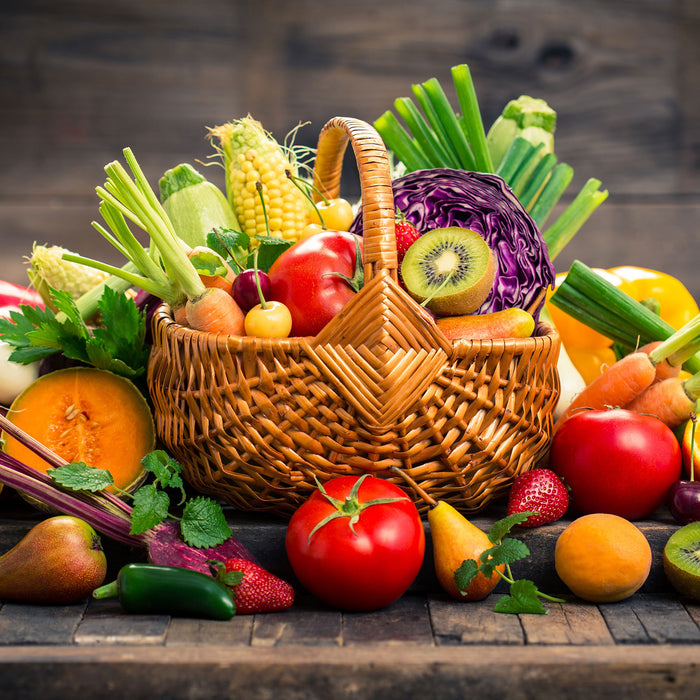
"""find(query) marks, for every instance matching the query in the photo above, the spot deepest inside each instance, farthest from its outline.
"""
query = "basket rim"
(544, 333)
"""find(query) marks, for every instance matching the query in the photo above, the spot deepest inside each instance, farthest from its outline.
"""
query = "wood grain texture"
(80, 80)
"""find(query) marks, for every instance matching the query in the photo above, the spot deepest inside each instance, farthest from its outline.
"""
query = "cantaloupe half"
(85, 415)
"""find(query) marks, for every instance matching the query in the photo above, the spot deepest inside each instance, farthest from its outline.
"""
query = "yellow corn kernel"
(252, 156)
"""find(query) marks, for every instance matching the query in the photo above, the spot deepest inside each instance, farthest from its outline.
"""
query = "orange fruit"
(602, 558)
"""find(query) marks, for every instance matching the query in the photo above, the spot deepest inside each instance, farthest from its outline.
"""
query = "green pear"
(456, 539)
(60, 561)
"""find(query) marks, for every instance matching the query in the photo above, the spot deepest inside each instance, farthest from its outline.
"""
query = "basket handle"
(378, 212)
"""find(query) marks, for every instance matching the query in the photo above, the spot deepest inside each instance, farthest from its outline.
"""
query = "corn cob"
(48, 270)
(252, 155)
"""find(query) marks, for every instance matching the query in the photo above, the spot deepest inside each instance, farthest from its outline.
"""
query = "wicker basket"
(256, 421)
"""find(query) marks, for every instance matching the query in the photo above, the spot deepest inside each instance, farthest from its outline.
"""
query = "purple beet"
(684, 501)
(245, 290)
(106, 513)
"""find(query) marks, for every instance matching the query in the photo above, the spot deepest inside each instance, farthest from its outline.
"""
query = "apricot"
(602, 558)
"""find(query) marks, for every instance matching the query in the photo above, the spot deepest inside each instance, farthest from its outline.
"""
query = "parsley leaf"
(203, 523)
(117, 345)
(150, 508)
(78, 476)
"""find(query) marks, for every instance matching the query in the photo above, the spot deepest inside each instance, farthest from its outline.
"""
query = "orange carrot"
(215, 311)
(217, 281)
(615, 387)
(672, 401)
(664, 369)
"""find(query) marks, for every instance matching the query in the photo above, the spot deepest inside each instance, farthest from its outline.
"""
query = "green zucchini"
(194, 205)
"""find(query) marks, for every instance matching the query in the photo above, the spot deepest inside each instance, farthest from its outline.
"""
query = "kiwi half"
(453, 268)
(682, 560)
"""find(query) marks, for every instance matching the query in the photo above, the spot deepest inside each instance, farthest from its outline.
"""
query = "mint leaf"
(269, 249)
(203, 523)
(228, 243)
(150, 509)
(507, 552)
(523, 598)
(78, 476)
(165, 468)
(466, 573)
(502, 527)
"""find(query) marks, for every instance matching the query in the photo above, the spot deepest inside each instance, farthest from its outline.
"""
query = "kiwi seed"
(682, 560)
(453, 268)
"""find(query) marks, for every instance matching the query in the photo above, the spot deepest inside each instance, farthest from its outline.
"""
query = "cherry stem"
(305, 192)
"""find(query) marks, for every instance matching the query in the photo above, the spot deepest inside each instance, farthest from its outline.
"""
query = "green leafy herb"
(202, 522)
(150, 508)
(228, 243)
(78, 476)
(524, 595)
(118, 344)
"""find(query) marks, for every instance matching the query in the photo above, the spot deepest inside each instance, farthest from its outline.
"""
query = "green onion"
(552, 191)
(471, 117)
(592, 300)
(528, 190)
(421, 131)
(441, 104)
(400, 142)
(519, 151)
(574, 216)
(437, 125)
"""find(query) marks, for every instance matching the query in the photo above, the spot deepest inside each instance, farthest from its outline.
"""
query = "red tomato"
(616, 461)
(364, 556)
(304, 278)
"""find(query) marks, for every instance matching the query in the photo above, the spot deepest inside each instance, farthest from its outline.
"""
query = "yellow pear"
(454, 540)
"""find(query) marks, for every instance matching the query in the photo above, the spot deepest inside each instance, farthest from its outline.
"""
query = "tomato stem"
(350, 507)
(358, 279)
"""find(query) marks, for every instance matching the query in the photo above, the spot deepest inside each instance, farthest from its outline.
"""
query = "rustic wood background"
(80, 80)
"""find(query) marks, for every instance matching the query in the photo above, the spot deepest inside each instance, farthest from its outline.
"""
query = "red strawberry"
(259, 591)
(406, 233)
(540, 491)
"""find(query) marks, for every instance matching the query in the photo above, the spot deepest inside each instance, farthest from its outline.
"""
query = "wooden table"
(425, 643)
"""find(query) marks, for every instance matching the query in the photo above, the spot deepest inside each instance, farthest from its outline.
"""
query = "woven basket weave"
(255, 421)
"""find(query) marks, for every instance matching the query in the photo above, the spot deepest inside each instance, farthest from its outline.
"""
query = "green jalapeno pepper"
(169, 590)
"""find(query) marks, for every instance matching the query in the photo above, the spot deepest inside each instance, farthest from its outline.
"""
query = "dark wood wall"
(81, 79)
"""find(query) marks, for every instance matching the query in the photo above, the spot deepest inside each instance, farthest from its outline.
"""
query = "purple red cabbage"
(442, 197)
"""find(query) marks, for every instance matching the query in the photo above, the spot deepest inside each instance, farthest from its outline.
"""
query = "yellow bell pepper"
(590, 351)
